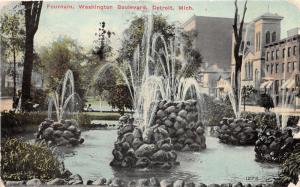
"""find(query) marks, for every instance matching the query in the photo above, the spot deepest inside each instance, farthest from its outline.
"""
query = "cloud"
(295, 2)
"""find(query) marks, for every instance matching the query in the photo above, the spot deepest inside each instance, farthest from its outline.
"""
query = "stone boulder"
(237, 131)
(64, 133)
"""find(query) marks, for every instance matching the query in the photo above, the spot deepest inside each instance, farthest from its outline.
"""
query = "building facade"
(213, 41)
(282, 65)
(7, 82)
(256, 35)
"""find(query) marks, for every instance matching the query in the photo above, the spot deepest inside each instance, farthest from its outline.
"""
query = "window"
(273, 36)
(277, 54)
(289, 51)
(267, 68)
(294, 64)
(267, 56)
(289, 67)
(257, 38)
(294, 50)
(268, 37)
(282, 67)
(283, 52)
(276, 68)
(272, 55)
(272, 68)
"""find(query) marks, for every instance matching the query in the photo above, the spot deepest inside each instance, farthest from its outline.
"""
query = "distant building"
(223, 86)
(208, 79)
(260, 32)
(282, 65)
(7, 82)
(214, 38)
(293, 32)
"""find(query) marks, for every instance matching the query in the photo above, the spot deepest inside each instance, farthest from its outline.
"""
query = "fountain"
(152, 75)
(65, 100)
(165, 102)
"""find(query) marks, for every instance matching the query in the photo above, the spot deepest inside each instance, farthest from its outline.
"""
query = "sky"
(81, 25)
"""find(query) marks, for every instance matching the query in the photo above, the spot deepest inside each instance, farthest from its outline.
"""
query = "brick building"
(282, 65)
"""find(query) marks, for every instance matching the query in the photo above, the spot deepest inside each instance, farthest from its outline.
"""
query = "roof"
(295, 37)
(194, 17)
(269, 15)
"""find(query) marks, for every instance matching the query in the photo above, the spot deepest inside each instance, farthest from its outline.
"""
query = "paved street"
(5, 103)
(287, 111)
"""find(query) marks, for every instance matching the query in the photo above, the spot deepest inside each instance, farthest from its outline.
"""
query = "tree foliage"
(266, 101)
(61, 55)
(12, 42)
(247, 91)
(134, 34)
(120, 98)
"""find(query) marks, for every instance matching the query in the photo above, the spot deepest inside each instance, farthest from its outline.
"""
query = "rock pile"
(237, 131)
(180, 121)
(134, 148)
(118, 182)
(274, 145)
(64, 133)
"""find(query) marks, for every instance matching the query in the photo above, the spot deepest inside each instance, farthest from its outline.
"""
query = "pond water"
(219, 163)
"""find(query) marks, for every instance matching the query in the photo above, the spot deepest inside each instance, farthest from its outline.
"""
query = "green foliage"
(9, 123)
(134, 34)
(12, 43)
(261, 119)
(216, 110)
(24, 161)
(12, 32)
(63, 54)
(290, 169)
(106, 81)
(192, 55)
(266, 101)
(40, 96)
(120, 98)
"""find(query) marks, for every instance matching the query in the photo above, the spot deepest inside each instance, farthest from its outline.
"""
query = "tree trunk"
(28, 64)
(14, 74)
(32, 17)
(244, 104)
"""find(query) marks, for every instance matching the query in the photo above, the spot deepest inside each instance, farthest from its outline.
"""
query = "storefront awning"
(289, 84)
(266, 85)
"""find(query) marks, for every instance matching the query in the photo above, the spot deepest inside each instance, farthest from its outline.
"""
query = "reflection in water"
(219, 163)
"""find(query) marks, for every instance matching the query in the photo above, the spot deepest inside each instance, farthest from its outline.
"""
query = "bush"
(290, 169)
(266, 101)
(216, 110)
(24, 161)
(261, 119)
(9, 123)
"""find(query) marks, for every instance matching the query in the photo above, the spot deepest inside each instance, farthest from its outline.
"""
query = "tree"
(32, 17)
(192, 55)
(266, 101)
(12, 35)
(246, 92)
(120, 98)
(102, 48)
(63, 54)
(133, 36)
(238, 56)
